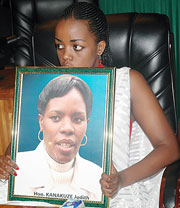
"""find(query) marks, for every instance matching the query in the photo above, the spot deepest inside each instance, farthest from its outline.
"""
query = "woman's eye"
(59, 46)
(78, 119)
(55, 118)
(78, 47)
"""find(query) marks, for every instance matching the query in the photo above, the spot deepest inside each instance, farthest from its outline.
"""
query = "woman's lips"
(65, 146)
(67, 64)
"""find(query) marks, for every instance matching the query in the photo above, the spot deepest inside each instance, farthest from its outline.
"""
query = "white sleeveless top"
(126, 151)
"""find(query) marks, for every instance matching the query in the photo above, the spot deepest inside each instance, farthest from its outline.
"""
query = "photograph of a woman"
(55, 168)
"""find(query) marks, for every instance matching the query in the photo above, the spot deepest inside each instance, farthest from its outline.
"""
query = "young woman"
(82, 39)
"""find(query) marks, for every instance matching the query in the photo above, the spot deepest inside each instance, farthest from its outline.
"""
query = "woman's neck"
(59, 167)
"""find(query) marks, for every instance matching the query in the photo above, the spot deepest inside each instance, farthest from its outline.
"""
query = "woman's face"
(76, 45)
(64, 125)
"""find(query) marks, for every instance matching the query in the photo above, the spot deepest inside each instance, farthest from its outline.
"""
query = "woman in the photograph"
(55, 168)
(138, 159)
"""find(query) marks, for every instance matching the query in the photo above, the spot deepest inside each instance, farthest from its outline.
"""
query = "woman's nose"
(67, 127)
(67, 54)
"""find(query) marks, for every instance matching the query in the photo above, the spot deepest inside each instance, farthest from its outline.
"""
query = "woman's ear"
(100, 47)
(40, 118)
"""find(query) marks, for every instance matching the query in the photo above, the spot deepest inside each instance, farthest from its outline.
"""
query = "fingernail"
(15, 174)
(17, 168)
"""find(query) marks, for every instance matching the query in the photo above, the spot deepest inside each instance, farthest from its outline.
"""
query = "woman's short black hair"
(97, 24)
(60, 86)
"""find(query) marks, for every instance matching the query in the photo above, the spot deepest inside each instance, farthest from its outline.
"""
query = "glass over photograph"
(61, 131)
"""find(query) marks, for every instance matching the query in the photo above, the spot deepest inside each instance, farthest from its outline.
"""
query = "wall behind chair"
(169, 7)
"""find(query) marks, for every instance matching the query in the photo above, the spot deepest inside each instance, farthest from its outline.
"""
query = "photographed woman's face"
(64, 125)
(76, 45)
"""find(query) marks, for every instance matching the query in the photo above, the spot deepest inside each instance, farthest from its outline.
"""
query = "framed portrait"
(62, 134)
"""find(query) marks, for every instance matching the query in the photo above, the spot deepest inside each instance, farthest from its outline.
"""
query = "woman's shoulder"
(25, 154)
(89, 165)
(138, 82)
(135, 75)
(122, 75)
(23, 158)
(35, 155)
(123, 69)
(31, 154)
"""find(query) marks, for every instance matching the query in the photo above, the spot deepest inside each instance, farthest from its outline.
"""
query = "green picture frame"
(29, 83)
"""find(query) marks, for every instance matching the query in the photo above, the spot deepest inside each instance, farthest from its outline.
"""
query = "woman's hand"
(7, 167)
(110, 184)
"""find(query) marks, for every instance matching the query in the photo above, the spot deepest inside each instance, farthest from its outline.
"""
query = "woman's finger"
(7, 167)
(10, 162)
(113, 169)
(105, 177)
(10, 170)
(104, 183)
(109, 192)
(3, 174)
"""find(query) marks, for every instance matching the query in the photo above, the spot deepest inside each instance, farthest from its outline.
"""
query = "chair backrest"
(142, 41)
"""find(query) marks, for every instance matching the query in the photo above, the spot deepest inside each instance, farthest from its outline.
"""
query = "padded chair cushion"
(141, 41)
(42, 33)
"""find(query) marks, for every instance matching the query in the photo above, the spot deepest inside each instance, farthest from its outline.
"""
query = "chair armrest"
(168, 192)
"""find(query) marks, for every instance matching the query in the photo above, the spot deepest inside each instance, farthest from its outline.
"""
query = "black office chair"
(140, 41)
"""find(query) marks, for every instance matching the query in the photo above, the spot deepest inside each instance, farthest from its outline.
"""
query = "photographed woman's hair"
(97, 24)
(60, 86)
